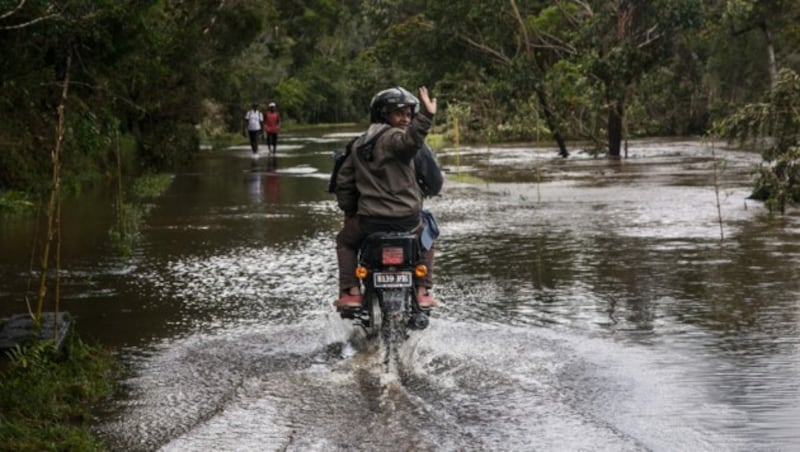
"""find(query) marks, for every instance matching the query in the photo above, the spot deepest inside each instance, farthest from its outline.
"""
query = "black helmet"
(390, 100)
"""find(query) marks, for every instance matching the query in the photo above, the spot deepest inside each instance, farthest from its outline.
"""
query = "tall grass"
(47, 395)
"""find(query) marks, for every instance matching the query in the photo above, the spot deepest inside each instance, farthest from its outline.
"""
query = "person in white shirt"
(254, 124)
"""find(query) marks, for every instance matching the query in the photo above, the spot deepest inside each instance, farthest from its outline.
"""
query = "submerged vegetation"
(132, 210)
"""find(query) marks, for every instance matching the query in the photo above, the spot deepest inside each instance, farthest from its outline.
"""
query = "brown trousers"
(349, 239)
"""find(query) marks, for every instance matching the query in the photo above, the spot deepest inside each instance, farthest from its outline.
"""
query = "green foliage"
(619, 43)
(131, 214)
(141, 68)
(684, 108)
(577, 98)
(435, 140)
(165, 72)
(126, 230)
(164, 146)
(745, 15)
(773, 126)
(47, 395)
(15, 201)
(150, 186)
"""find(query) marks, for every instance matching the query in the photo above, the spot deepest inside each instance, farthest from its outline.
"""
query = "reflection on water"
(587, 305)
(264, 183)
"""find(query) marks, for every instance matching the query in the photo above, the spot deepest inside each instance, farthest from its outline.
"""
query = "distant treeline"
(149, 79)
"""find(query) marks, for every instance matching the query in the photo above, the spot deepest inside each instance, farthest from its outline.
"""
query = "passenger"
(377, 187)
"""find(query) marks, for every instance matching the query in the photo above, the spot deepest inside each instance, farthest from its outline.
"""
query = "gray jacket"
(379, 178)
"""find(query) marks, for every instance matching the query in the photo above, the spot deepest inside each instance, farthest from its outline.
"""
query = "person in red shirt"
(272, 125)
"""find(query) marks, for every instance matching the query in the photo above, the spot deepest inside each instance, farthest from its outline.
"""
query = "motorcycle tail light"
(361, 272)
(420, 270)
(392, 255)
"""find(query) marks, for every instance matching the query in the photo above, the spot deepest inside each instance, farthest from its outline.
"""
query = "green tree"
(32, 65)
(773, 125)
(766, 17)
(488, 56)
(619, 41)
(144, 65)
(181, 51)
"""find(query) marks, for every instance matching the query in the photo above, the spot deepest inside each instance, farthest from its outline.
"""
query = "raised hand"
(427, 102)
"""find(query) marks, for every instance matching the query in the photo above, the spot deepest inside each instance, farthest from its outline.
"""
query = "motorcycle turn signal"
(361, 272)
(420, 270)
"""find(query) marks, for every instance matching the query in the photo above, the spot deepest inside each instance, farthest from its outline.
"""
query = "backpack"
(340, 155)
(429, 176)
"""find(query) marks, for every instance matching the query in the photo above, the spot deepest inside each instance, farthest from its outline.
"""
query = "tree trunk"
(54, 204)
(772, 65)
(541, 95)
(616, 112)
(551, 123)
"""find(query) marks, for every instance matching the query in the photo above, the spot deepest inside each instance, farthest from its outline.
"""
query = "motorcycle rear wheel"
(375, 317)
(393, 327)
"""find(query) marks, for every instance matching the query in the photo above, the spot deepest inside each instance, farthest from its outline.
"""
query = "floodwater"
(587, 304)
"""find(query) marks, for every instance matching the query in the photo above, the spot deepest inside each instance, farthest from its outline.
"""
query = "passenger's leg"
(347, 242)
(424, 298)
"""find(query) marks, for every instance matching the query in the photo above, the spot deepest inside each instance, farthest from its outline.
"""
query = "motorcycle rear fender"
(370, 252)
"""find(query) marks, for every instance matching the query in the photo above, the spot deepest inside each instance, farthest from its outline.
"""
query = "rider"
(377, 188)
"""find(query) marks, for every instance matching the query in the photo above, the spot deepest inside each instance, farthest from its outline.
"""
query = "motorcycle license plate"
(392, 279)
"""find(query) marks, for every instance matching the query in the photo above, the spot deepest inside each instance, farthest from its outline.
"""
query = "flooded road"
(586, 305)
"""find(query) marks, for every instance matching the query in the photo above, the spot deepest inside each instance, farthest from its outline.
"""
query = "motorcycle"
(388, 262)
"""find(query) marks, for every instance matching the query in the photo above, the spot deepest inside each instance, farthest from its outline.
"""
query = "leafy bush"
(150, 185)
(126, 230)
(773, 127)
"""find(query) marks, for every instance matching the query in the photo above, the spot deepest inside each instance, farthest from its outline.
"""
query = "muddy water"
(586, 305)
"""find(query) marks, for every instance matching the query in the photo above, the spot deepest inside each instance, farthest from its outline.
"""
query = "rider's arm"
(403, 144)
